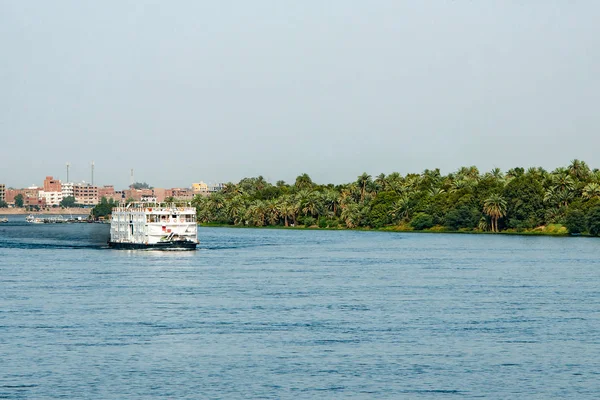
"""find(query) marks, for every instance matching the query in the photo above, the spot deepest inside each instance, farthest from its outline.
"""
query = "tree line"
(518, 200)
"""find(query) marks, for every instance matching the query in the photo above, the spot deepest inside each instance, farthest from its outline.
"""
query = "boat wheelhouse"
(149, 226)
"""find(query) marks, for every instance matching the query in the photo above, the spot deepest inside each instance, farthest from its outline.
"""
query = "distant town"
(54, 193)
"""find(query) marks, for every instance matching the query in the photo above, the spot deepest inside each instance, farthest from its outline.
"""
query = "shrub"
(322, 222)
(575, 221)
(421, 221)
(462, 217)
(593, 221)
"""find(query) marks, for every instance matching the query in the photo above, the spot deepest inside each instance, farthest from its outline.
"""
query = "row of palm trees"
(394, 199)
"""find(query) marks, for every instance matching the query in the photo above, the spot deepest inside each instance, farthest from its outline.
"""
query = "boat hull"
(179, 245)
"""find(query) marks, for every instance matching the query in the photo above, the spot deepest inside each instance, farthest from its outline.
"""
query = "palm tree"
(394, 182)
(363, 181)
(579, 170)
(351, 215)
(237, 209)
(272, 211)
(435, 191)
(495, 207)
(514, 173)
(563, 186)
(311, 205)
(381, 183)
(483, 224)
(287, 209)
(591, 191)
(401, 208)
(331, 201)
(303, 182)
(256, 213)
(497, 173)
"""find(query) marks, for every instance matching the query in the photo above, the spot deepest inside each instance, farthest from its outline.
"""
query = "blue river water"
(298, 314)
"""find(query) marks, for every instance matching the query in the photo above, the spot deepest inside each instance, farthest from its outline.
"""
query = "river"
(298, 314)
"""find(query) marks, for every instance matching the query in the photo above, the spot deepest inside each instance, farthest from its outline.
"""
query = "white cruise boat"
(152, 226)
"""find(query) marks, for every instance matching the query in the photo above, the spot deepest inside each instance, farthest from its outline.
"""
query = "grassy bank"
(549, 230)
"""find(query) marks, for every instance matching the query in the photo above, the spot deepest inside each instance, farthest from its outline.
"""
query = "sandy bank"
(47, 211)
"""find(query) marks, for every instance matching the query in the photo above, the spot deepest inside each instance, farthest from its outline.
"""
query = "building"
(204, 189)
(52, 191)
(2, 192)
(139, 194)
(108, 192)
(51, 198)
(39, 202)
(85, 194)
(200, 188)
(180, 194)
(52, 185)
(67, 189)
(216, 187)
(30, 196)
(160, 194)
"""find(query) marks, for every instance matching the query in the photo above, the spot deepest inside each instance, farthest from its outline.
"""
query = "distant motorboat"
(32, 219)
(3, 220)
(49, 220)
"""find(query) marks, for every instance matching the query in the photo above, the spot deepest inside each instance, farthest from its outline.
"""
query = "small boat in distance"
(2, 220)
(47, 220)
(32, 219)
(153, 226)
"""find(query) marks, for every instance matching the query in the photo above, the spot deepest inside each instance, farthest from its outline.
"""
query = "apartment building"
(85, 194)
(109, 192)
(139, 194)
(67, 189)
(204, 189)
(52, 191)
(200, 188)
(2, 192)
(180, 194)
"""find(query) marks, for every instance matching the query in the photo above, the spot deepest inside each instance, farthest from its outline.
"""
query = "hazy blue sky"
(184, 91)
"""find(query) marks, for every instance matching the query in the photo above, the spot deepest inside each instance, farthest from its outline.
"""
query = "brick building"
(52, 191)
(138, 194)
(52, 185)
(30, 195)
(180, 194)
(108, 192)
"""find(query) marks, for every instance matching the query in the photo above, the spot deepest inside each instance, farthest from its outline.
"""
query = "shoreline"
(47, 211)
(392, 230)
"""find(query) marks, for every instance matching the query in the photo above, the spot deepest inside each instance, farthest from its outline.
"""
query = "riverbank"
(46, 211)
(549, 230)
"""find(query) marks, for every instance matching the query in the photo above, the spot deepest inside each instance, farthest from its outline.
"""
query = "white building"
(52, 198)
(67, 190)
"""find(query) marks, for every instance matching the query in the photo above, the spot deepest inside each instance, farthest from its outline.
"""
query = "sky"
(215, 91)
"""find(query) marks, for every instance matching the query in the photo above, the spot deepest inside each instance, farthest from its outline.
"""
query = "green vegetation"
(19, 200)
(3, 204)
(104, 208)
(532, 201)
(575, 221)
(593, 221)
(68, 202)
